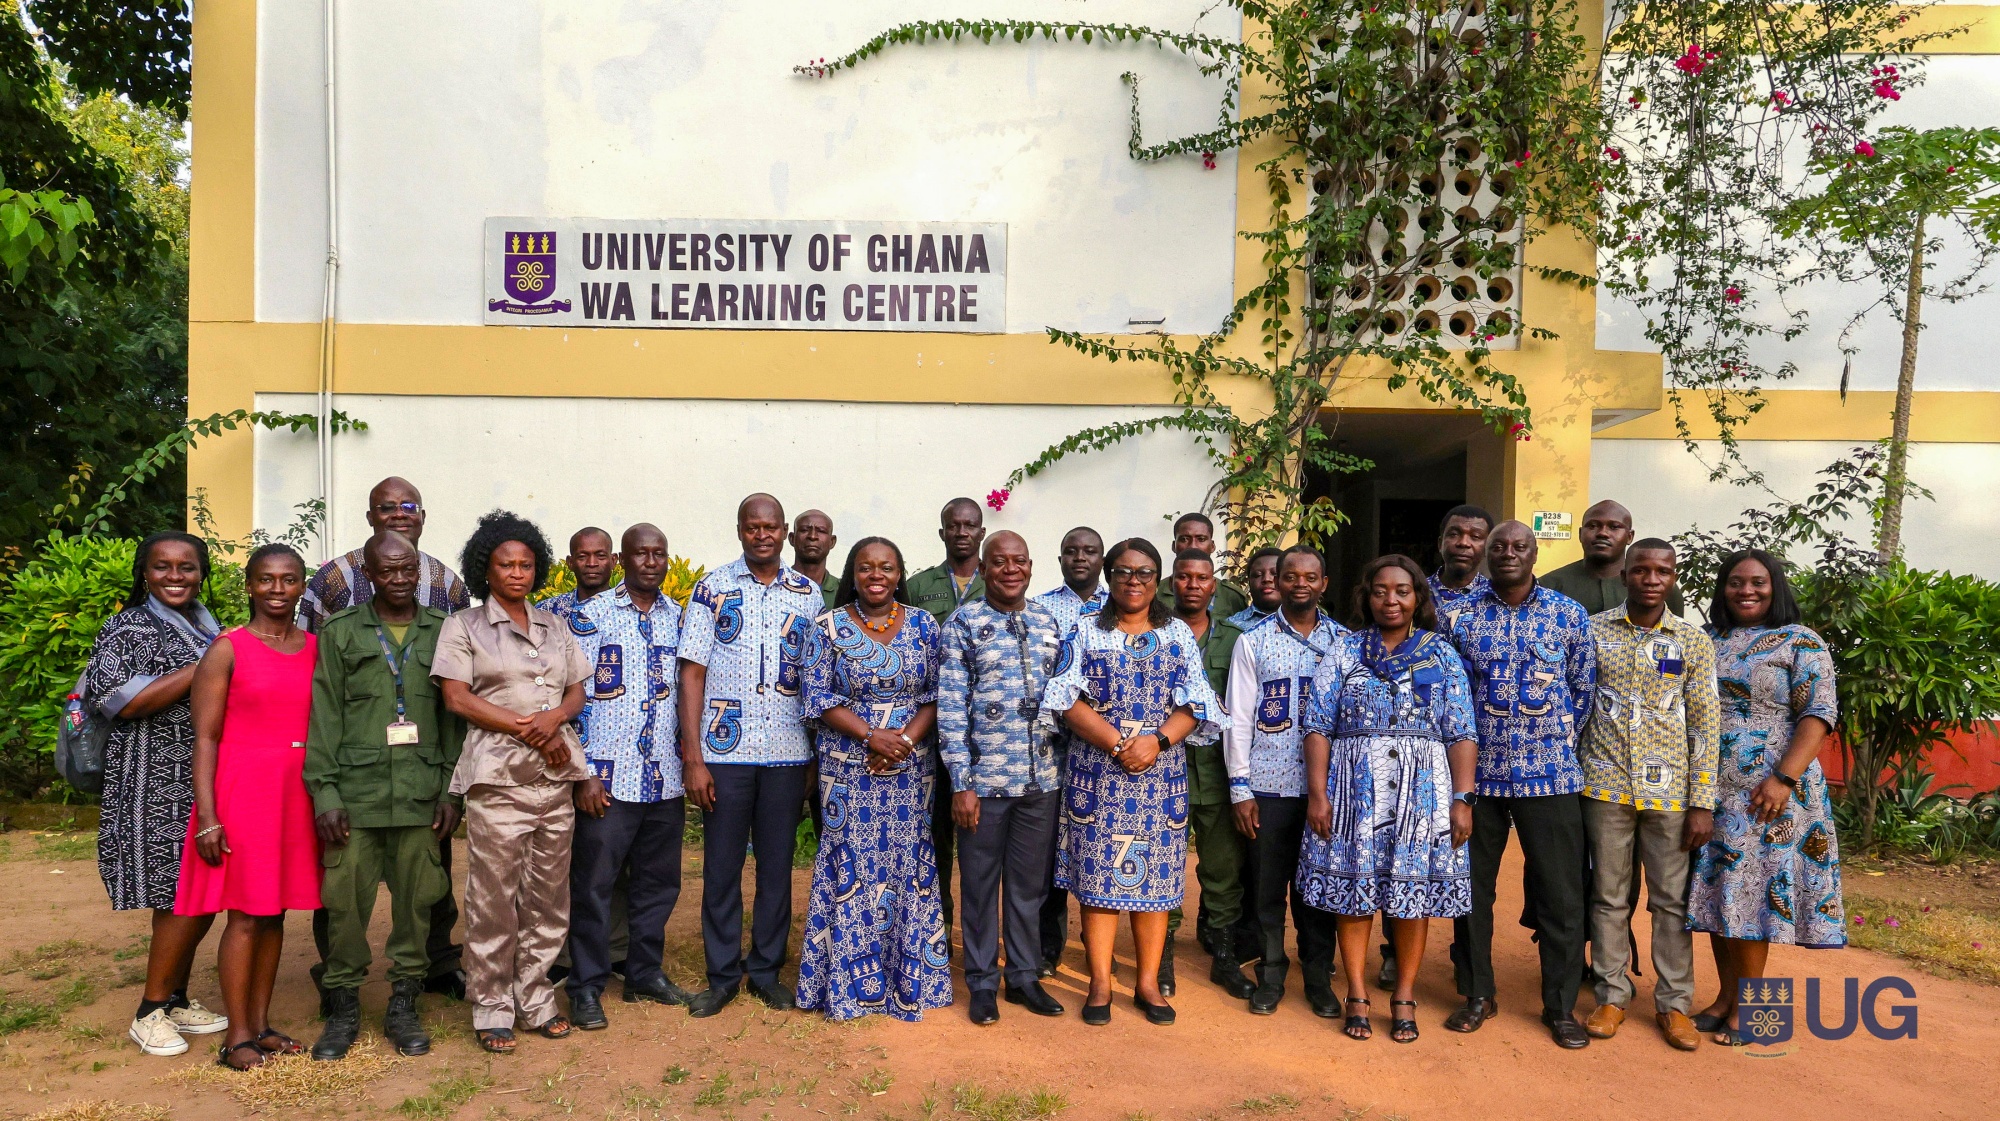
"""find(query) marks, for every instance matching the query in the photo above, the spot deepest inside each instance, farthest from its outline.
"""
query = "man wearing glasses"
(341, 583)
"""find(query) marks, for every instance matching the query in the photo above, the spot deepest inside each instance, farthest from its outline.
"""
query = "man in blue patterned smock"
(744, 749)
(1270, 687)
(1458, 582)
(592, 557)
(1261, 578)
(1081, 593)
(1006, 777)
(1533, 666)
(631, 810)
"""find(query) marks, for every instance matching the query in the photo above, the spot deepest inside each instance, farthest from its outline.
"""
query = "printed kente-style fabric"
(148, 762)
(1122, 839)
(1533, 671)
(1388, 719)
(751, 637)
(875, 939)
(1270, 688)
(1449, 602)
(342, 582)
(1069, 607)
(1650, 741)
(1778, 881)
(995, 667)
(630, 730)
(1248, 617)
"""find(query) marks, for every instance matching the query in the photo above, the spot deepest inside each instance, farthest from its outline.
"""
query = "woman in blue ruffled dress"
(1390, 752)
(1131, 687)
(875, 939)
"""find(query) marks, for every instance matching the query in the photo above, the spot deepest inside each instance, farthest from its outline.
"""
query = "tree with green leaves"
(1882, 211)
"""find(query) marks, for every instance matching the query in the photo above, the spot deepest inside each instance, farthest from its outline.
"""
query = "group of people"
(1073, 743)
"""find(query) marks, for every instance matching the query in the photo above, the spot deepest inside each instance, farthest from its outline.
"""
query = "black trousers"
(1055, 907)
(643, 839)
(442, 951)
(942, 832)
(1009, 850)
(1281, 826)
(1557, 852)
(760, 806)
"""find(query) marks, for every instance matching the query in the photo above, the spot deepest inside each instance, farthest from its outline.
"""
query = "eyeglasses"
(1135, 575)
(387, 508)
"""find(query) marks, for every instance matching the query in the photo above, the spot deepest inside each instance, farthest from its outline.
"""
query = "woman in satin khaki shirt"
(515, 674)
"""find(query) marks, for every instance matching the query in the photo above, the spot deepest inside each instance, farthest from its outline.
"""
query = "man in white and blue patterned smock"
(1270, 686)
(1081, 593)
(631, 810)
(592, 558)
(1260, 579)
(1006, 775)
(744, 749)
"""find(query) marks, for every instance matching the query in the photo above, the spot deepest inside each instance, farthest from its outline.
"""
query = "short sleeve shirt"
(630, 727)
(1068, 607)
(751, 637)
(519, 671)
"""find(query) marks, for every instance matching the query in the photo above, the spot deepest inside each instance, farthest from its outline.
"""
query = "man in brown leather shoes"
(1649, 756)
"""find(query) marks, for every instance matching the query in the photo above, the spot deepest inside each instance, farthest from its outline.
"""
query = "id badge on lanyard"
(402, 731)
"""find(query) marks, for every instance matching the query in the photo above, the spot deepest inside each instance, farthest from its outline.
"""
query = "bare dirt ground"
(70, 968)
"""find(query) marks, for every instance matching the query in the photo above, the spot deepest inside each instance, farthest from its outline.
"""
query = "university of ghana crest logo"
(528, 270)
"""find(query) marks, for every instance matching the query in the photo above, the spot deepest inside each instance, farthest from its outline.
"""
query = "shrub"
(682, 574)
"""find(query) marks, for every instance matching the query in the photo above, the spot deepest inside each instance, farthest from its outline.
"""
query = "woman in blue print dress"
(1390, 744)
(1771, 873)
(1131, 686)
(875, 938)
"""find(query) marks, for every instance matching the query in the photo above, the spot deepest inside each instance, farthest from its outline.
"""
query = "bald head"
(390, 560)
(760, 526)
(1004, 565)
(395, 504)
(1605, 535)
(642, 553)
(760, 505)
(644, 533)
(386, 544)
(1006, 537)
(1510, 555)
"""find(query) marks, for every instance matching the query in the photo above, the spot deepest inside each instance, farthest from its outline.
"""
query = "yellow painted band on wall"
(1936, 417)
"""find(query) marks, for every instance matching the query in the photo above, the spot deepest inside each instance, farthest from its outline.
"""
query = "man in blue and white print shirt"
(631, 810)
(1270, 684)
(1006, 778)
(744, 749)
(1081, 593)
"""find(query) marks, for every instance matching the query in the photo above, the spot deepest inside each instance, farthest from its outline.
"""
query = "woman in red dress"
(251, 848)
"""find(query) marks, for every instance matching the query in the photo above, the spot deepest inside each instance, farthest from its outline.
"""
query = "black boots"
(343, 1023)
(1319, 994)
(1226, 971)
(400, 1025)
(1167, 969)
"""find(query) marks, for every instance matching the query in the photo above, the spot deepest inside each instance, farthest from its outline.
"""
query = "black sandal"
(284, 1045)
(555, 1027)
(1359, 1023)
(222, 1057)
(496, 1041)
(1402, 1031)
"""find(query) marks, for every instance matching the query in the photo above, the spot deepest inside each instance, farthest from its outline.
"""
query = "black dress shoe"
(775, 996)
(1033, 997)
(1264, 999)
(450, 984)
(1097, 1015)
(983, 1009)
(1166, 975)
(659, 990)
(1047, 969)
(1161, 1014)
(1475, 1011)
(618, 969)
(587, 1012)
(710, 1001)
(1322, 1001)
(1567, 1032)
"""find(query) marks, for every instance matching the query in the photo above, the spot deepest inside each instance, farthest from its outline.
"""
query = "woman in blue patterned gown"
(1390, 743)
(1131, 686)
(875, 938)
(1772, 871)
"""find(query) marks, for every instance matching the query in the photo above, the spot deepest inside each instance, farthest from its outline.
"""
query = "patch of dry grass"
(1941, 938)
(100, 1110)
(293, 1081)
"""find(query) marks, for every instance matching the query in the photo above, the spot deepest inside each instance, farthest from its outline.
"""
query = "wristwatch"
(1165, 743)
(1469, 798)
(1788, 780)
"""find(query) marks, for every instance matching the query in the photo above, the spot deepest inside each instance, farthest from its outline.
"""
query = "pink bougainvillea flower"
(1892, 922)
(1887, 89)
(1780, 98)
(1208, 160)
(1694, 61)
(1733, 294)
(1864, 149)
(998, 498)
(1861, 920)
(1614, 153)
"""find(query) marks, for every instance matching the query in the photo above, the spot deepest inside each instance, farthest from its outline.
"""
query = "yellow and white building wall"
(447, 113)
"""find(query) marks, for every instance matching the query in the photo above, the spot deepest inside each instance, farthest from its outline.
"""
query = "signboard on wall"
(1553, 525)
(747, 274)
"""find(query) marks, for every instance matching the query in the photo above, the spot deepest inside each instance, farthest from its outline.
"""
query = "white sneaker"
(155, 1034)
(196, 1020)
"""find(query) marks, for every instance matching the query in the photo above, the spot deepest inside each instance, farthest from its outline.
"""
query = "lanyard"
(395, 667)
(1285, 625)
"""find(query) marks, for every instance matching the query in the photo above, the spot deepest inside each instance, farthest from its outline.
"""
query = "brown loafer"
(1679, 1031)
(1476, 1011)
(1604, 1021)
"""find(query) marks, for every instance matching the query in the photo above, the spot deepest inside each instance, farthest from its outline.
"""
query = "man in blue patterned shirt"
(744, 749)
(1081, 593)
(1533, 666)
(1006, 778)
(630, 811)
(591, 560)
(1261, 579)
(1270, 687)
(1458, 582)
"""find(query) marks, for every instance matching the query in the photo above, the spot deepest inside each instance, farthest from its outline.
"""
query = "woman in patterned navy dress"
(875, 938)
(1772, 871)
(1131, 685)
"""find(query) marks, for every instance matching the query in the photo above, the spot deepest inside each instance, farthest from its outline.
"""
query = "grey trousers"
(1615, 831)
(1009, 850)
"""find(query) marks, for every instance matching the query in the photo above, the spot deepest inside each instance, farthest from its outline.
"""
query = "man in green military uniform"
(379, 752)
(812, 541)
(940, 591)
(1196, 532)
(1221, 853)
